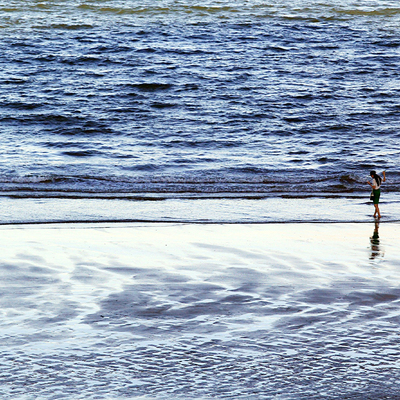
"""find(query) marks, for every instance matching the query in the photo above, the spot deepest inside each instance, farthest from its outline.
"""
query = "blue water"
(110, 99)
(209, 111)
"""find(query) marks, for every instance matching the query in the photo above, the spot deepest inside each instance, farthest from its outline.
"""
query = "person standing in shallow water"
(376, 190)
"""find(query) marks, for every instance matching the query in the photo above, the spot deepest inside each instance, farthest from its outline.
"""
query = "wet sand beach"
(223, 311)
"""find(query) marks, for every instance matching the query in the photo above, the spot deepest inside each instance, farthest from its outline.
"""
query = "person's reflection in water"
(374, 239)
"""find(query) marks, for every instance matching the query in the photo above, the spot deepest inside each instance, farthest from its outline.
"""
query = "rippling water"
(211, 106)
(203, 98)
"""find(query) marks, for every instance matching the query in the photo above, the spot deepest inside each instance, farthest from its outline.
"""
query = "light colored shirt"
(374, 183)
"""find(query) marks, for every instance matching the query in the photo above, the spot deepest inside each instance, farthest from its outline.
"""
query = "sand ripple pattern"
(178, 312)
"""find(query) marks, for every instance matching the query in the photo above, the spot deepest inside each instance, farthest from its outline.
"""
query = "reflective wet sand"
(166, 311)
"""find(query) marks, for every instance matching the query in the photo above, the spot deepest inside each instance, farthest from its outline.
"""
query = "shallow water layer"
(201, 210)
(159, 311)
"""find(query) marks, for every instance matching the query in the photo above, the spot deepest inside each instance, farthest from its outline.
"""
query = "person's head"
(375, 176)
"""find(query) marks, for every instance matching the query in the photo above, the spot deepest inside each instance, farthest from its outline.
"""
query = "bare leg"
(377, 211)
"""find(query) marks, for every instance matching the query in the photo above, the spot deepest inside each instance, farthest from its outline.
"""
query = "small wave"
(348, 179)
(72, 60)
(162, 105)
(150, 87)
(54, 118)
(82, 153)
(146, 50)
(391, 43)
(111, 48)
(30, 179)
(159, 10)
(14, 81)
(22, 106)
(387, 12)
(298, 152)
(138, 10)
(202, 143)
(62, 145)
(295, 119)
(64, 26)
(325, 160)
(82, 131)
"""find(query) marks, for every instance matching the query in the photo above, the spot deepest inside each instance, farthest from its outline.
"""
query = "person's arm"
(384, 176)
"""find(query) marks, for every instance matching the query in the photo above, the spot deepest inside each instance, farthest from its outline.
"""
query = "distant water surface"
(172, 98)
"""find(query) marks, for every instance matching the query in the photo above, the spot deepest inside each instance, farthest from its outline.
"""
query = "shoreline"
(133, 223)
(199, 211)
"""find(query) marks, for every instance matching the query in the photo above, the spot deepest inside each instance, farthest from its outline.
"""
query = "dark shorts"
(377, 194)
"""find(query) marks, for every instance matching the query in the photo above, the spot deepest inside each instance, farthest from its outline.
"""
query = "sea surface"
(186, 100)
(217, 153)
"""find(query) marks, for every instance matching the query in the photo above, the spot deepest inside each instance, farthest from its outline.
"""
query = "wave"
(150, 87)
(249, 183)
(197, 107)
(64, 26)
(226, 7)
(88, 15)
(159, 10)
(386, 12)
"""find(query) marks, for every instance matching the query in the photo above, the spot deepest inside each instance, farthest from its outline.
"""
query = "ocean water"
(134, 101)
(217, 113)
